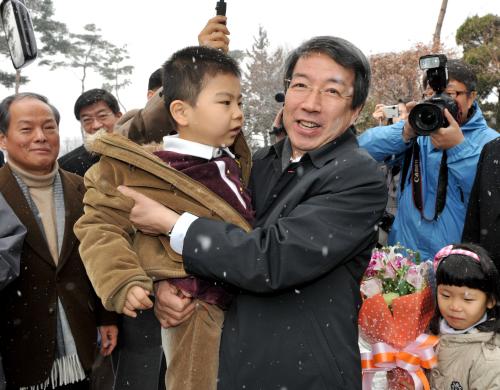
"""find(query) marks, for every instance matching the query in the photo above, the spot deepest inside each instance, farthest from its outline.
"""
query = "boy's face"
(216, 118)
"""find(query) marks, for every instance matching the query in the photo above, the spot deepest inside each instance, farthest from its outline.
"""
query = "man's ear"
(180, 112)
(355, 115)
(471, 98)
(3, 140)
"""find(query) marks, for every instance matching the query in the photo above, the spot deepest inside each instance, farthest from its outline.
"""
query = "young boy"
(197, 170)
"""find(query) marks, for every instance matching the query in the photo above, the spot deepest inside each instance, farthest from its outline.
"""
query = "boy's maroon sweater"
(207, 173)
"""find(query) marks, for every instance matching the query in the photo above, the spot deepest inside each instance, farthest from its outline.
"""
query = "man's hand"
(408, 132)
(137, 299)
(149, 216)
(447, 137)
(215, 34)
(172, 306)
(378, 114)
(109, 337)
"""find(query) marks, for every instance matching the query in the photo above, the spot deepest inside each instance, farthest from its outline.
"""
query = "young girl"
(467, 319)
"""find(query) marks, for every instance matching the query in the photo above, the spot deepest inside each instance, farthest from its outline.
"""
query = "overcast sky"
(154, 29)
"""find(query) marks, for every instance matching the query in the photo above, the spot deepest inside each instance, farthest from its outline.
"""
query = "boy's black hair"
(185, 73)
(464, 271)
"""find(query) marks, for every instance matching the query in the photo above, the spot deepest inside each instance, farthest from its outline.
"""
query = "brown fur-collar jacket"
(115, 255)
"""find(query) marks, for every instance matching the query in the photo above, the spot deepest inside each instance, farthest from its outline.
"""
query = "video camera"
(428, 115)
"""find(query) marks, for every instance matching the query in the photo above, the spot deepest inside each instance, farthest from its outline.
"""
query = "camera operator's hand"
(378, 114)
(408, 132)
(447, 137)
(215, 34)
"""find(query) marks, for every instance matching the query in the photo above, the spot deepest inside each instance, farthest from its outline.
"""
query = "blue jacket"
(409, 228)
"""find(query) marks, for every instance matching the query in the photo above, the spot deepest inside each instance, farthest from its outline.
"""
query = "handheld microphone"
(220, 8)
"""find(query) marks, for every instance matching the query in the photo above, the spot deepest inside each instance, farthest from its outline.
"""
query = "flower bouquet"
(397, 307)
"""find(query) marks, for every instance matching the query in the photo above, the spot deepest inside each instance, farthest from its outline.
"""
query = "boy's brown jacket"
(115, 255)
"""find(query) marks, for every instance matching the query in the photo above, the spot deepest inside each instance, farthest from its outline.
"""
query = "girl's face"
(462, 307)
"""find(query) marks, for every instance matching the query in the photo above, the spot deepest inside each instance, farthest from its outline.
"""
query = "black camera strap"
(416, 181)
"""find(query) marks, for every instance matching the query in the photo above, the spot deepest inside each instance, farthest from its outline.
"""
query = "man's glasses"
(301, 88)
(101, 118)
(453, 94)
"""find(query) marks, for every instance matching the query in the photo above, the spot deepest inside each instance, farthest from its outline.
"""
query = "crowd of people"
(162, 255)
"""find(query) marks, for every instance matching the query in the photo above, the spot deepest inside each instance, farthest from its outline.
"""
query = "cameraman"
(438, 170)
(391, 167)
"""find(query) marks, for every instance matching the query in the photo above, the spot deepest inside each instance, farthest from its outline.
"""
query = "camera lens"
(426, 118)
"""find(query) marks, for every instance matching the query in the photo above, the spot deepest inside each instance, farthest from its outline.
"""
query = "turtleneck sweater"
(41, 189)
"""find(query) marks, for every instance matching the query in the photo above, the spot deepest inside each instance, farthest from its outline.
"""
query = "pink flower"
(371, 287)
(414, 278)
(395, 262)
(390, 270)
(374, 265)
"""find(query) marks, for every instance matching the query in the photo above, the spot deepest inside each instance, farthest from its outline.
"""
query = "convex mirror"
(19, 32)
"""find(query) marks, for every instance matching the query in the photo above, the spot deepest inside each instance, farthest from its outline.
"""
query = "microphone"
(279, 97)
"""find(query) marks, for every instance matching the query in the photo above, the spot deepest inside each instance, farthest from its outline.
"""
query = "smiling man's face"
(318, 103)
(32, 138)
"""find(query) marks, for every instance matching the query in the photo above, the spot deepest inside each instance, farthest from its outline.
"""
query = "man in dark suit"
(49, 314)
(12, 233)
(482, 223)
(2, 160)
(95, 109)
(318, 198)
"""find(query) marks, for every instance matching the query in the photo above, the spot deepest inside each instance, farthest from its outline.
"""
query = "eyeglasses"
(454, 94)
(101, 118)
(301, 88)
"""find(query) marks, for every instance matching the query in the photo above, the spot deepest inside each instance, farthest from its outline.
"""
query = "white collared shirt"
(173, 143)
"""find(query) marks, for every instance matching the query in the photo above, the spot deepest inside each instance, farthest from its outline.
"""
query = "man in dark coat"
(318, 198)
(95, 109)
(49, 313)
(482, 223)
(12, 233)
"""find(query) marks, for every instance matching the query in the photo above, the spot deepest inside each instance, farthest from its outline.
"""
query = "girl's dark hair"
(464, 271)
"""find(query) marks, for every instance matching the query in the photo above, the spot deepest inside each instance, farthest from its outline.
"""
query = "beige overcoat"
(115, 255)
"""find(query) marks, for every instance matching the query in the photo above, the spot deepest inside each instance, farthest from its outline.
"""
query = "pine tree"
(261, 81)
(480, 39)
(115, 72)
(87, 51)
